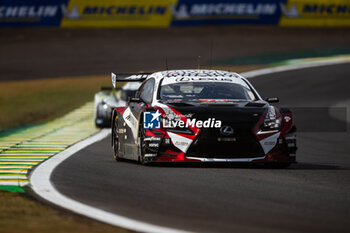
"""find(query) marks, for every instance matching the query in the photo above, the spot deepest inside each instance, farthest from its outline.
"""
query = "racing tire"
(141, 138)
(115, 142)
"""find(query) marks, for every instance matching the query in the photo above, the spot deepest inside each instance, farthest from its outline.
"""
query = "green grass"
(25, 103)
(36, 101)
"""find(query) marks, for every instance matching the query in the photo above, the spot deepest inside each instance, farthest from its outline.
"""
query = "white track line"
(20, 183)
(254, 73)
(41, 184)
(14, 171)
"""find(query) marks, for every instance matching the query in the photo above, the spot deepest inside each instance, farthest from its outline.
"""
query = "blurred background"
(47, 43)
(57, 39)
(40, 39)
(55, 54)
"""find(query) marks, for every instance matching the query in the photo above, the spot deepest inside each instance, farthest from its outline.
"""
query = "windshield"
(194, 91)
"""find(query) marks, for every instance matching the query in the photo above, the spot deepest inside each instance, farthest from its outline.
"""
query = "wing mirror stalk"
(272, 100)
(135, 100)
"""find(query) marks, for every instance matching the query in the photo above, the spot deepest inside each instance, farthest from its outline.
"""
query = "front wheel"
(141, 141)
(115, 142)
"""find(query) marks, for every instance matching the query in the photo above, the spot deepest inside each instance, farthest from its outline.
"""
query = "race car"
(201, 116)
(107, 99)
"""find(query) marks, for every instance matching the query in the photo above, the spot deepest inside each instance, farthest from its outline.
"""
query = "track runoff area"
(24, 148)
(60, 139)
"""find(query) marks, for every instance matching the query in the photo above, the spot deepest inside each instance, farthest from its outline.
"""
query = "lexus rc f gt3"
(201, 115)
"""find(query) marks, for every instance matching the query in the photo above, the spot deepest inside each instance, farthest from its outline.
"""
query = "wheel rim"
(115, 141)
(142, 145)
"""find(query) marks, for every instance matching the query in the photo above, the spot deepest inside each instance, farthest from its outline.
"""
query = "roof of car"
(195, 73)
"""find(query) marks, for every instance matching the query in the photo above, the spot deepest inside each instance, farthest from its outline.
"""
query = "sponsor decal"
(204, 79)
(121, 130)
(152, 139)
(227, 139)
(195, 73)
(130, 119)
(117, 13)
(180, 143)
(151, 120)
(167, 140)
(268, 143)
(153, 145)
(315, 13)
(31, 13)
(131, 122)
(226, 12)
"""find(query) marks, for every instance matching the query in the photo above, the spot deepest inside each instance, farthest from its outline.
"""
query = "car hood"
(242, 113)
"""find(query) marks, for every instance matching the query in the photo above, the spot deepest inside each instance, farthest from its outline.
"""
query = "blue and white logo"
(151, 120)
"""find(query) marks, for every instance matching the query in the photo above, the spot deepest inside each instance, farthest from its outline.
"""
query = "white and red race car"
(201, 115)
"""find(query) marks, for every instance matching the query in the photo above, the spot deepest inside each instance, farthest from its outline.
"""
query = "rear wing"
(128, 78)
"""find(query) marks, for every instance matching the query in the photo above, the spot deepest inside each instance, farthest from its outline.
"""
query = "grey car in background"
(108, 98)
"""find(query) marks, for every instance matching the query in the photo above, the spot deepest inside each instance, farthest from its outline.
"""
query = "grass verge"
(36, 101)
(18, 214)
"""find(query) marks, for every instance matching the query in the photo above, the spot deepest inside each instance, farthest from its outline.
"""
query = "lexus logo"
(226, 130)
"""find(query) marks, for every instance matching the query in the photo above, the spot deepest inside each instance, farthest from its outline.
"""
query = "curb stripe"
(22, 150)
(41, 185)
(11, 182)
(13, 171)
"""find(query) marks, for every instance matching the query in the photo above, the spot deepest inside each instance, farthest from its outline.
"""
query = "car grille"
(212, 144)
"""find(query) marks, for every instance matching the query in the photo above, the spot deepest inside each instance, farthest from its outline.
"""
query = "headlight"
(272, 122)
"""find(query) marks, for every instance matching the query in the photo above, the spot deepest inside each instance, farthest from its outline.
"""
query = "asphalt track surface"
(311, 196)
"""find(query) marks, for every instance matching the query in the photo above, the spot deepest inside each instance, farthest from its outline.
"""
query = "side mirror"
(272, 100)
(134, 100)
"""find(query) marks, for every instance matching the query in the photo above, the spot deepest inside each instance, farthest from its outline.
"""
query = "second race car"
(107, 99)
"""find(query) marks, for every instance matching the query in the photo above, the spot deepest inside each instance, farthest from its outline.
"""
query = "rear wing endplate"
(128, 78)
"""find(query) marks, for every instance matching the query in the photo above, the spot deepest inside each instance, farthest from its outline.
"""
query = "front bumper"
(159, 149)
